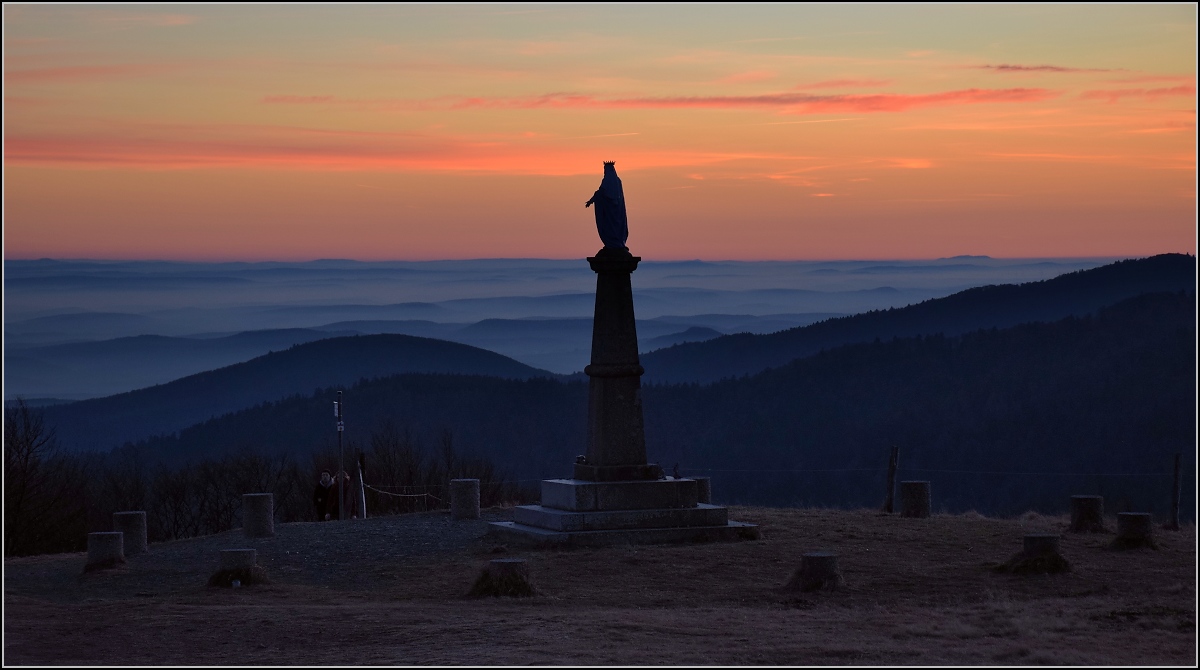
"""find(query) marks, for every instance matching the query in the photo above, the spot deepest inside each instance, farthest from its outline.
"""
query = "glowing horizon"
(421, 132)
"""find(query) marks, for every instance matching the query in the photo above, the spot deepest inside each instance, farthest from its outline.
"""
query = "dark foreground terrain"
(392, 591)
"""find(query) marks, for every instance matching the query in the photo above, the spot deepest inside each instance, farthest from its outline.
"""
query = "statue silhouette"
(611, 221)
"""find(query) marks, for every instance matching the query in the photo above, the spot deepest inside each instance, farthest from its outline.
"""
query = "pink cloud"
(85, 72)
(147, 19)
(787, 103)
(297, 99)
(1039, 68)
(846, 83)
(1153, 78)
(746, 77)
(791, 103)
(171, 147)
(1143, 93)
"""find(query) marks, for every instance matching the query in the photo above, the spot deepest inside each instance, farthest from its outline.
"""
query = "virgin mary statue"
(611, 221)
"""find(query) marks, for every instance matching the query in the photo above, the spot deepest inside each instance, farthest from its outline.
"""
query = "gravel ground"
(343, 555)
(393, 591)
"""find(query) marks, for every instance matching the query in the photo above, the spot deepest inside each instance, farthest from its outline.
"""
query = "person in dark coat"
(325, 498)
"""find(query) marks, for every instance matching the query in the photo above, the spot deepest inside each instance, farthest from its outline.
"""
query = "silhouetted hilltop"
(92, 369)
(1112, 392)
(102, 423)
(1074, 293)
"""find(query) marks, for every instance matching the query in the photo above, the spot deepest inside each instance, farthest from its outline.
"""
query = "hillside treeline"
(1106, 394)
(52, 498)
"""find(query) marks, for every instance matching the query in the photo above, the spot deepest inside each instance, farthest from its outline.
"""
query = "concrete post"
(704, 490)
(104, 550)
(133, 525)
(914, 499)
(238, 559)
(464, 499)
(1087, 514)
(258, 514)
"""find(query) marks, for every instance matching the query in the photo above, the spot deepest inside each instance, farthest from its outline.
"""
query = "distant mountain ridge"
(102, 423)
(1071, 294)
(1112, 392)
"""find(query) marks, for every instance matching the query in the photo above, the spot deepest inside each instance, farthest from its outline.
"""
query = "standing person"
(325, 498)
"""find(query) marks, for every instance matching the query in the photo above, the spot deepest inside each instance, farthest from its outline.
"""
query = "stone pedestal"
(616, 496)
(133, 526)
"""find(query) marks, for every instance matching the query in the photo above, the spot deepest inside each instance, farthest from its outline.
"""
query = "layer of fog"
(63, 318)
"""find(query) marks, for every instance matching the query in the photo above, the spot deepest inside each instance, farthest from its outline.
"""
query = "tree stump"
(818, 571)
(1087, 514)
(464, 499)
(704, 490)
(258, 515)
(133, 525)
(1039, 555)
(914, 500)
(1134, 530)
(504, 577)
(238, 567)
(105, 550)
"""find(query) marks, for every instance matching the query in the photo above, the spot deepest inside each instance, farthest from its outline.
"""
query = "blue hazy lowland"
(77, 329)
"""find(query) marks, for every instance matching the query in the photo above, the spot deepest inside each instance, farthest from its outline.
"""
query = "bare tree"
(43, 489)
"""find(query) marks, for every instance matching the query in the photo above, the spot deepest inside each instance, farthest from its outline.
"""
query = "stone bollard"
(914, 499)
(133, 525)
(704, 490)
(818, 570)
(258, 514)
(105, 550)
(464, 499)
(238, 559)
(504, 577)
(1134, 529)
(1087, 514)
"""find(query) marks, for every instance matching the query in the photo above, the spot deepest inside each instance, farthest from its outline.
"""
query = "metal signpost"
(337, 411)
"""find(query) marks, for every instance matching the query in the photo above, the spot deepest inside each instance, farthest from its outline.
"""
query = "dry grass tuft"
(246, 576)
(1122, 543)
(1048, 562)
(503, 579)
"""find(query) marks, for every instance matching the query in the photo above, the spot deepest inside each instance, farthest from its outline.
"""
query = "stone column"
(464, 499)
(133, 525)
(258, 514)
(616, 448)
(704, 490)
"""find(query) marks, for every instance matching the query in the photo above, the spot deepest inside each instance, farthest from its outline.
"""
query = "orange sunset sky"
(229, 132)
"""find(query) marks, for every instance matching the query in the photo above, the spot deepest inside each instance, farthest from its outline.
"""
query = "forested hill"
(1075, 293)
(1111, 393)
(102, 423)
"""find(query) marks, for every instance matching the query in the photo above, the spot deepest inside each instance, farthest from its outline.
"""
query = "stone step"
(511, 531)
(562, 520)
(579, 495)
